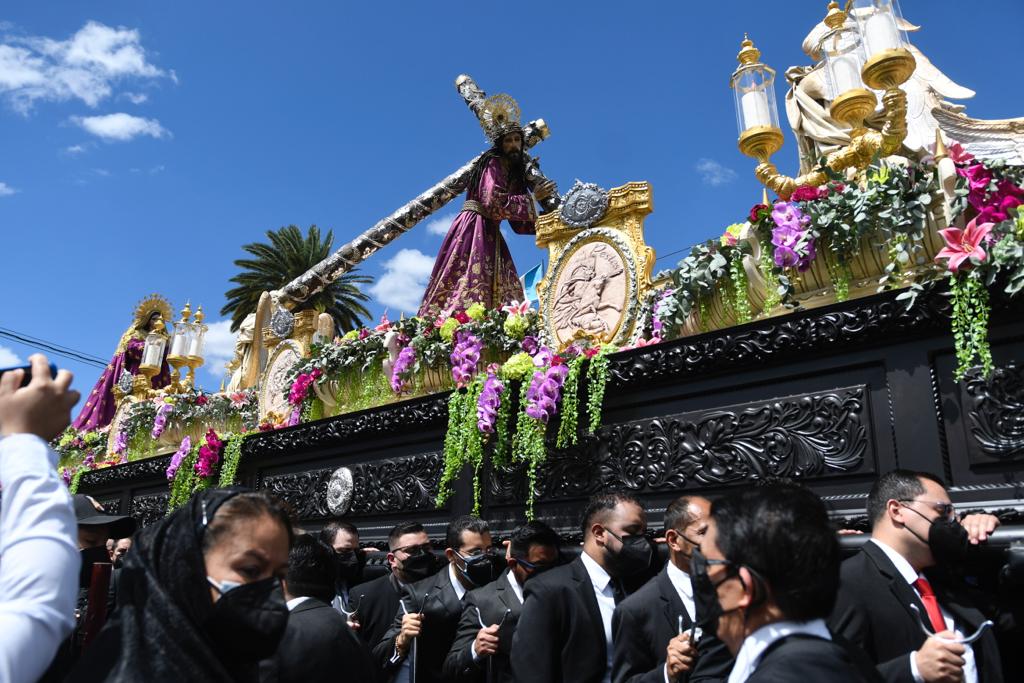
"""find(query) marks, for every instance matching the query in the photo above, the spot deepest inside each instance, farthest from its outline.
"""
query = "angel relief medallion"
(590, 294)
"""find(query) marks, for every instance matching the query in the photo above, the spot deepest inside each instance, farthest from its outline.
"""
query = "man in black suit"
(481, 653)
(772, 559)
(914, 533)
(565, 629)
(349, 559)
(317, 645)
(415, 647)
(654, 629)
(410, 559)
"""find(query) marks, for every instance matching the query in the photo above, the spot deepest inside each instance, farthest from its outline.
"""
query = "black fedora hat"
(89, 512)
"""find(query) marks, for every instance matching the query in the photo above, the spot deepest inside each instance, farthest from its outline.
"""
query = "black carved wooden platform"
(832, 396)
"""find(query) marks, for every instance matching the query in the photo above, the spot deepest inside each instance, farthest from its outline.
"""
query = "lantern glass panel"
(878, 22)
(754, 92)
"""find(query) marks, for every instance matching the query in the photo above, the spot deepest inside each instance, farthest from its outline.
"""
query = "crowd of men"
(753, 588)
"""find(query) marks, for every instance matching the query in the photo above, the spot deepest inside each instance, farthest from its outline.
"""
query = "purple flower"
(160, 421)
(465, 357)
(789, 214)
(544, 391)
(65, 474)
(179, 455)
(120, 443)
(530, 344)
(488, 403)
(794, 245)
(405, 360)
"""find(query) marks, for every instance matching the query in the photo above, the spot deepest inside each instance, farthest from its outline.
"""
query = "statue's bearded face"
(512, 144)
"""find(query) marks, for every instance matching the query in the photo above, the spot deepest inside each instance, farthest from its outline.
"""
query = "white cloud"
(75, 149)
(439, 226)
(136, 97)
(121, 127)
(220, 347)
(9, 358)
(6, 190)
(159, 168)
(401, 286)
(713, 173)
(85, 67)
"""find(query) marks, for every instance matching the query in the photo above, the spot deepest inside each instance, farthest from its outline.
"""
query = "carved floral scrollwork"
(798, 437)
(149, 508)
(996, 411)
(383, 486)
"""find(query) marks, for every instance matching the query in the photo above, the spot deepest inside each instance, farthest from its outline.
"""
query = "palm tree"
(286, 257)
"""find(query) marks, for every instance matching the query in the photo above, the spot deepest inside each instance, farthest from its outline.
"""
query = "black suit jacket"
(375, 603)
(560, 634)
(873, 612)
(492, 600)
(442, 610)
(807, 659)
(318, 646)
(643, 624)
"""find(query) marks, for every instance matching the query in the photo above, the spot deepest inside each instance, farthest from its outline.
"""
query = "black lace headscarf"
(158, 632)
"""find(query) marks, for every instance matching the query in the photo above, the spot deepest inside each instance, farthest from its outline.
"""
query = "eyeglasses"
(478, 552)
(534, 567)
(413, 549)
(947, 510)
(701, 564)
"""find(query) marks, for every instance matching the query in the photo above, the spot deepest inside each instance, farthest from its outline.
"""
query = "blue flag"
(530, 279)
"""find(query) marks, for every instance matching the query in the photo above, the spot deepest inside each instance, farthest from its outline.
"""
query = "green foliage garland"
(567, 427)
(75, 481)
(232, 455)
(597, 380)
(186, 481)
(738, 298)
(463, 443)
(970, 324)
(528, 446)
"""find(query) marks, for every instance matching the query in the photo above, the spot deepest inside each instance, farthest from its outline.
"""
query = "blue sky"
(142, 143)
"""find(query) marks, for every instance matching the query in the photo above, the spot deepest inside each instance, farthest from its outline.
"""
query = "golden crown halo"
(154, 303)
(499, 115)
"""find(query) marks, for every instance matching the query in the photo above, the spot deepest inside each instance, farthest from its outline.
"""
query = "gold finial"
(940, 146)
(186, 312)
(748, 54)
(764, 196)
(199, 314)
(835, 17)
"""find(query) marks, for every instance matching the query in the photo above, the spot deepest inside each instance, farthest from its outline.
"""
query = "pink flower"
(239, 399)
(962, 245)
(958, 154)
(806, 193)
(640, 343)
(384, 325)
(363, 334)
(516, 308)
(201, 400)
(461, 316)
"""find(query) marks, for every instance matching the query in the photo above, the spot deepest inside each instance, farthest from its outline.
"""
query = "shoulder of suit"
(641, 597)
(373, 586)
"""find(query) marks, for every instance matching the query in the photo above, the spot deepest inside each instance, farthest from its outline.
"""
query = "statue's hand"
(545, 189)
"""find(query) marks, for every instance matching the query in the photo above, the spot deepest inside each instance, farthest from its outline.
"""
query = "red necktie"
(931, 604)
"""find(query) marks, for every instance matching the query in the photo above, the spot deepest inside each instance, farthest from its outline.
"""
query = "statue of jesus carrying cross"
(474, 264)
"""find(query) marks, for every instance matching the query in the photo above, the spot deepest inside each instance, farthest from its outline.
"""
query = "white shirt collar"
(757, 642)
(680, 579)
(902, 566)
(460, 590)
(598, 576)
(295, 602)
(516, 588)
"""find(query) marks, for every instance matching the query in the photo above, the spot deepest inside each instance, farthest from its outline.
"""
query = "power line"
(53, 348)
(671, 253)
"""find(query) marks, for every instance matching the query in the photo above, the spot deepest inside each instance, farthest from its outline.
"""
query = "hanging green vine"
(528, 447)
(232, 456)
(76, 480)
(738, 300)
(772, 298)
(970, 324)
(463, 444)
(185, 479)
(567, 427)
(502, 444)
(597, 380)
(840, 275)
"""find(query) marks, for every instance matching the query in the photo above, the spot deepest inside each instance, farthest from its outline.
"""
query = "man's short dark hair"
(783, 534)
(530, 534)
(311, 569)
(453, 536)
(401, 529)
(601, 504)
(677, 514)
(330, 532)
(896, 485)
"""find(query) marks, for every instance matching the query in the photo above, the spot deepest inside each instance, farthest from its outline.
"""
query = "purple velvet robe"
(99, 406)
(474, 264)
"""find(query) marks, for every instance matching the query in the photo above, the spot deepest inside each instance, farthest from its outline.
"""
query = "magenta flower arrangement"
(209, 454)
(489, 402)
(179, 455)
(544, 392)
(160, 421)
(301, 386)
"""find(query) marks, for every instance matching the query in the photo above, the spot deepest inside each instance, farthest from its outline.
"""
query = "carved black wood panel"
(132, 471)
(384, 486)
(112, 506)
(801, 437)
(149, 508)
(995, 412)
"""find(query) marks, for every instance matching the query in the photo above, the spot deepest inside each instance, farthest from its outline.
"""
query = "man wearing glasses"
(490, 614)
(415, 647)
(916, 539)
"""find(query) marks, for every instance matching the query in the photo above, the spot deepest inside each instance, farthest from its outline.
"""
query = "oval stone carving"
(590, 294)
(274, 393)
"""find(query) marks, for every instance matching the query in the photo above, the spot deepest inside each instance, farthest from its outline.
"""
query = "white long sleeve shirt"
(39, 559)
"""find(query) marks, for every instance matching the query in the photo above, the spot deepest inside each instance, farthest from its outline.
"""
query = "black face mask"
(632, 558)
(419, 565)
(705, 597)
(947, 539)
(249, 620)
(480, 569)
(350, 565)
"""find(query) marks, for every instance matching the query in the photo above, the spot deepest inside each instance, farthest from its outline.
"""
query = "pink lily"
(965, 244)
(516, 308)
(958, 154)
(385, 324)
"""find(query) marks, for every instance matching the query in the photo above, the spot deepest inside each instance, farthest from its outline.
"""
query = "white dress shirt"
(910, 576)
(605, 595)
(295, 602)
(684, 587)
(39, 559)
(757, 642)
(516, 588)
